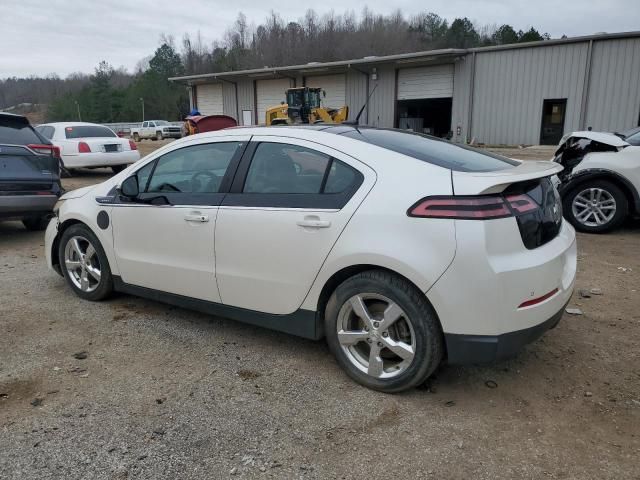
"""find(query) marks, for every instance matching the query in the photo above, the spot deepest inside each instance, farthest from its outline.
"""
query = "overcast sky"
(38, 37)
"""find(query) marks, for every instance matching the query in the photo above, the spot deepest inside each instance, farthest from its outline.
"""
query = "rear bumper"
(18, 205)
(474, 349)
(100, 159)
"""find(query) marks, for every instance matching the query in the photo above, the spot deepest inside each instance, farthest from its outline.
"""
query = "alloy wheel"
(594, 207)
(82, 264)
(376, 335)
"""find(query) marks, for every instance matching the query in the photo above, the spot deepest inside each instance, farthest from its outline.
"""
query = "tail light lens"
(481, 207)
(45, 150)
(133, 145)
(83, 148)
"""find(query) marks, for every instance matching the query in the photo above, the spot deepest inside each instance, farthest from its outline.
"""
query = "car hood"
(602, 137)
(77, 193)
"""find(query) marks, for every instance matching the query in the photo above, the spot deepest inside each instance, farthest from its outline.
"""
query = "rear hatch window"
(88, 131)
(17, 132)
(433, 150)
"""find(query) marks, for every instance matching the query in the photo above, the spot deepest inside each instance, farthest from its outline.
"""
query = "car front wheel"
(597, 206)
(84, 263)
(383, 332)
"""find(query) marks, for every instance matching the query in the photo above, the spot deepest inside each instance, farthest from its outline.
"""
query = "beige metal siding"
(510, 86)
(461, 98)
(356, 94)
(270, 93)
(383, 101)
(229, 99)
(334, 87)
(613, 103)
(425, 82)
(209, 98)
(246, 96)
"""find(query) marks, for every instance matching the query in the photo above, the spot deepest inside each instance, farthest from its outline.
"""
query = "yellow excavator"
(303, 106)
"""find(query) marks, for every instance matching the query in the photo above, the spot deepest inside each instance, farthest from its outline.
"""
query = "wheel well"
(55, 261)
(341, 275)
(634, 205)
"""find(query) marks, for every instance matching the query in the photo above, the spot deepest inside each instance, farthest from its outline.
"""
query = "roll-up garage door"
(270, 93)
(334, 86)
(425, 82)
(209, 99)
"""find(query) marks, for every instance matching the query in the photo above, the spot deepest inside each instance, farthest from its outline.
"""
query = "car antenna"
(356, 121)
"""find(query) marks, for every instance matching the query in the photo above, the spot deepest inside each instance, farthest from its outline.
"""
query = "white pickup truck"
(156, 130)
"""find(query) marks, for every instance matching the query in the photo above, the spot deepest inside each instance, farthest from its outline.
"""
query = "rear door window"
(46, 131)
(88, 131)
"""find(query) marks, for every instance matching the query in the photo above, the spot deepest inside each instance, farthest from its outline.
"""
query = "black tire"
(159, 136)
(36, 224)
(104, 287)
(136, 137)
(621, 212)
(118, 168)
(429, 345)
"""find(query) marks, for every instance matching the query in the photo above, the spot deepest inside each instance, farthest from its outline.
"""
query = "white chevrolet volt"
(402, 250)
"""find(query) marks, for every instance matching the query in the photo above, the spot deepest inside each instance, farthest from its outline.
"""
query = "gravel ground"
(130, 388)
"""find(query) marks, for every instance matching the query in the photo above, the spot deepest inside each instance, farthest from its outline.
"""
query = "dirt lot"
(131, 388)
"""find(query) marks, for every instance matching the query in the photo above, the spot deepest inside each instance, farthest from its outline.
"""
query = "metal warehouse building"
(511, 94)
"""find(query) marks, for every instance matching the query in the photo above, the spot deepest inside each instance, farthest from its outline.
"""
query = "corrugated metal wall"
(510, 86)
(383, 102)
(613, 103)
(356, 94)
(245, 98)
(461, 91)
(229, 99)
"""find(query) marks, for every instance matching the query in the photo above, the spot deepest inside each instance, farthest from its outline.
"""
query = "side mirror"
(129, 187)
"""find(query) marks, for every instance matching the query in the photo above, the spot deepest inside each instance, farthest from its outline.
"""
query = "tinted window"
(634, 139)
(87, 131)
(195, 169)
(433, 150)
(283, 168)
(143, 175)
(16, 132)
(145, 124)
(45, 131)
(341, 176)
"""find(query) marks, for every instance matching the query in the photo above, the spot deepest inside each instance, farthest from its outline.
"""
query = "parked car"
(89, 145)
(600, 183)
(632, 136)
(401, 249)
(29, 173)
(156, 130)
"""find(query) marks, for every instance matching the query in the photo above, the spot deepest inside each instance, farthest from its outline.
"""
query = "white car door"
(289, 202)
(164, 240)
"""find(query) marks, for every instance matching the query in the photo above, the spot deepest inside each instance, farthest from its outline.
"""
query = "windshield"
(433, 150)
(88, 131)
(633, 139)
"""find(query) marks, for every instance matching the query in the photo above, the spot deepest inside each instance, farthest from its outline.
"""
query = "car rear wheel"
(596, 206)
(383, 332)
(84, 263)
(36, 223)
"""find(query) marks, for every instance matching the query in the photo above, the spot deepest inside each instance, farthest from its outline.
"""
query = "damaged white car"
(600, 183)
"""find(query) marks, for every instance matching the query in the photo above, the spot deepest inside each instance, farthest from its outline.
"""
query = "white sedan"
(89, 145)
(401, 249)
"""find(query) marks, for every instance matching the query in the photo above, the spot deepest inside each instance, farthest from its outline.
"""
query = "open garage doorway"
(426, 115)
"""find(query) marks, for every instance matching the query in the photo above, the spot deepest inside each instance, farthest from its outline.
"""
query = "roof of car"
(14, 117)
(72, 124)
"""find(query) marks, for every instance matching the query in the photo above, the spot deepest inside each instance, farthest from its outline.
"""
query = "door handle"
(196, 217)
(314, 223)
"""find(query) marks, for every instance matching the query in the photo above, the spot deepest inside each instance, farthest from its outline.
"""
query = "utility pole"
(78, 108)
(142, 102)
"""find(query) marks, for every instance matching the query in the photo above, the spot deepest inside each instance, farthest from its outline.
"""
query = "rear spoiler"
(480, 183)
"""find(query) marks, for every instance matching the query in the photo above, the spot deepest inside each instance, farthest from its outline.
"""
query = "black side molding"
(301, 323)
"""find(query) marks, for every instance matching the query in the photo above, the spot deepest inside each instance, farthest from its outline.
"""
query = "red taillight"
(535, 301)
(133, 145)
(45, 149)
(83, 148)
(481, 207)
(465, 208)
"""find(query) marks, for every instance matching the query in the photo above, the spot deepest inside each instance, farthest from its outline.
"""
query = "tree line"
(113, 95)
